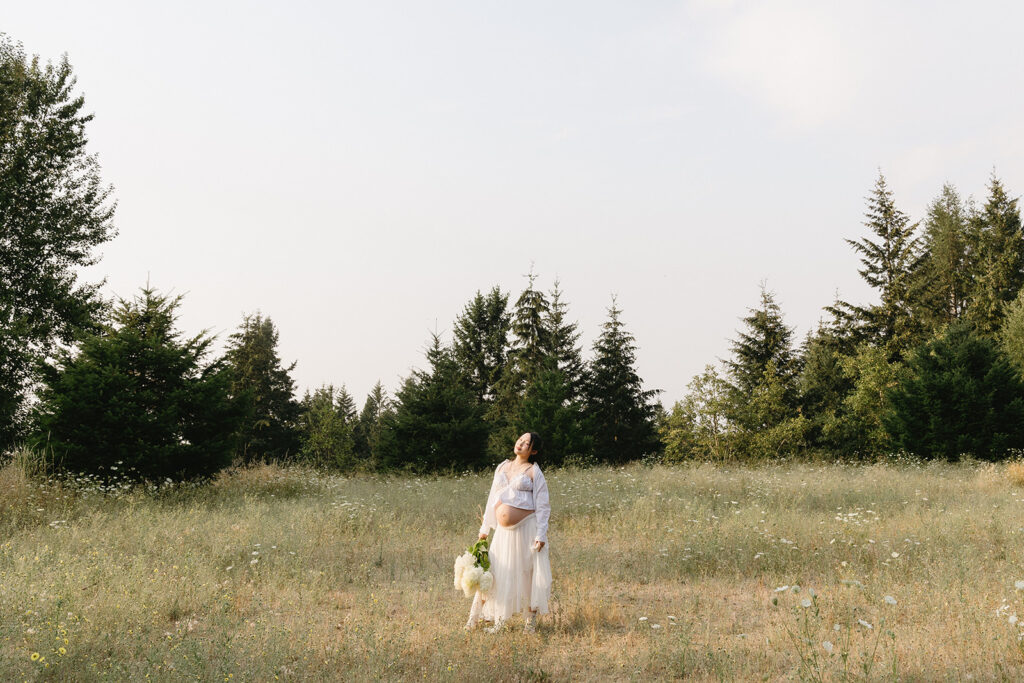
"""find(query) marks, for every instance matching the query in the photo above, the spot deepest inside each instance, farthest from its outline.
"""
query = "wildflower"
(805, 603)
(782, 589)
(642, 619)
(828, 646)
(62, 651)
(1019, 585)
(895, 555)
(836, 627)
(864, 623)
(671, 617)
(655, 626)
(1012, 619)
(795, 588)
(253, 561)
(889, 600)
(34, 657)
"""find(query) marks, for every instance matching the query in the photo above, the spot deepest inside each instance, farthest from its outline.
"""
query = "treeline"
(934, 368)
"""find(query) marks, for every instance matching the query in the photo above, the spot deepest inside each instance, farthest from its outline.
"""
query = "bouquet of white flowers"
(472, 570)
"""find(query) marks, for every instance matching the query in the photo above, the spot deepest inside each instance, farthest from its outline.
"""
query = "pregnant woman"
(518, 509)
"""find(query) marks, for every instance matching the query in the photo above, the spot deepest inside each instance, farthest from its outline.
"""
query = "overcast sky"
(357, 171)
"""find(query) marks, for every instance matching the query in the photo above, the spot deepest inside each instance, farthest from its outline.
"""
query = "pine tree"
(887, 261)
(962, 397)
(823, 383)
(346, 406)
(1001, 274)
(481, 342)
(138, 399)
(265, 386)
(564, 339)
(54, 213)
(438, 423)
(765, 340)
(371, 429)
(941, 286)
(619, 410)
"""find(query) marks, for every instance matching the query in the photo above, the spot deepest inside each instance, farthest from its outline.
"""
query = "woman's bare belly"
(510, 516)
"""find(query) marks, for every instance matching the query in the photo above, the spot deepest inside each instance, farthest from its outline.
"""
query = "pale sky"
(357, 171)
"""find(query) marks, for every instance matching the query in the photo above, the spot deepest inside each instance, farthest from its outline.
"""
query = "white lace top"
(521, 492)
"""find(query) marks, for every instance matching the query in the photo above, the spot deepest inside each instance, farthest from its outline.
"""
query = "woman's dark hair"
(536, 443)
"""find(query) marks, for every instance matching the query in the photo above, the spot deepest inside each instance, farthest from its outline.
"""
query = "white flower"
(486, 582)
(1012, 619)
(471, 580)
(864, 623)
(795, 588)
(895, 555)
(1019, 585)
(462, 562)
(889, 600)
(836, 627)
(642, 619)
(828, 646)
(782, 589)
(805, 603)
(655, 625)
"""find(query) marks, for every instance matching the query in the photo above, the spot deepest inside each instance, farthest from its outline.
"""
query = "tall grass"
(270, 572)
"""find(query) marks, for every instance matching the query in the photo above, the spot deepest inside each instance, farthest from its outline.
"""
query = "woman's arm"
(542, 503)
(489, 522)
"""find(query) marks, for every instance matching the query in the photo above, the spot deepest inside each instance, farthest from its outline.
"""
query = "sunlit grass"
(659, 572)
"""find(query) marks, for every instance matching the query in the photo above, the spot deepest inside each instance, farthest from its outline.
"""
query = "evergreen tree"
(54, 213)
(564, 339)
(266, 389)
(1011, 334)
(1001, 274)
(823, 383)
(346, 405)
(139, 398)
(327, 432)
(888, 259)
(371, 432)
(438, 423)
(548, 407)
(765, 340)
(942, 283)
(962, 397)
(856, 428)
(619, 410)
(480, 346)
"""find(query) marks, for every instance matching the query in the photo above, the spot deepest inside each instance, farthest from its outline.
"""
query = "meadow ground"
(796, 571)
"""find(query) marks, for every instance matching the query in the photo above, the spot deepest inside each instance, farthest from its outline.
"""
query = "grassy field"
(709, 572)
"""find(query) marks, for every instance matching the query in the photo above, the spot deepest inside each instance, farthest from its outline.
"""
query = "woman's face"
(522, 448)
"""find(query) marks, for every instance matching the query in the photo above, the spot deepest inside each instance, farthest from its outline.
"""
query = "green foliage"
(139, 398)
(696, 427)
(54, 212)
(856, 428)
(372, 435)
(766, 340)
(265, 387)
(327, 429)
(620, 412)
(962, 397)
(479, 550)
(548, 408)
(480, 343)
(1001, 276)
(888, 261)
(438, 423)
(823, 384)
(564, 338)
(767, 425)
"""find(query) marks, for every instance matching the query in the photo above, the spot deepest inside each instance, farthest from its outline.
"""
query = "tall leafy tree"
(888, 258)
(138, 397)
(1001, 273)
(962, 397)
(698, 427)
(54, 212)
(480, 343)
(264, 385)
(438, 423)
(620, 411)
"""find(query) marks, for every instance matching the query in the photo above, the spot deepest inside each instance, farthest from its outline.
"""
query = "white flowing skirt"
(522, 576)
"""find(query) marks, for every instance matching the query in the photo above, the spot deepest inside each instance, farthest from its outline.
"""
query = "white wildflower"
(864, 623)
(486, 582)
(828, 646)
(655, 625)
(642, 619)
(782, 589)
(805, 603)
(1012, 619)
(889, 600)
(1019, 585)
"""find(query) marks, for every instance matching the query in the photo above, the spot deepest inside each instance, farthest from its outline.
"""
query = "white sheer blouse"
(521, 492)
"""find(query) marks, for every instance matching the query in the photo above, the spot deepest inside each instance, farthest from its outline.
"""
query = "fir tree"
(1002, 258)
(480, 346)
(962, 397)
(266, 388)
(139, 399)
(620, 412)
(371, 429)
(438, 423)
(887, 259)
(942, 283)
(765, 340)
(564, 340)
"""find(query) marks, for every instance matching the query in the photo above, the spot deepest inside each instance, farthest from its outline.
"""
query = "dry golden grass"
(1015, 472)
(660, 572)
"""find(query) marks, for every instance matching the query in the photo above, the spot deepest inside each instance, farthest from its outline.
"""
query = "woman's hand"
(538, 545)
(483, 536)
